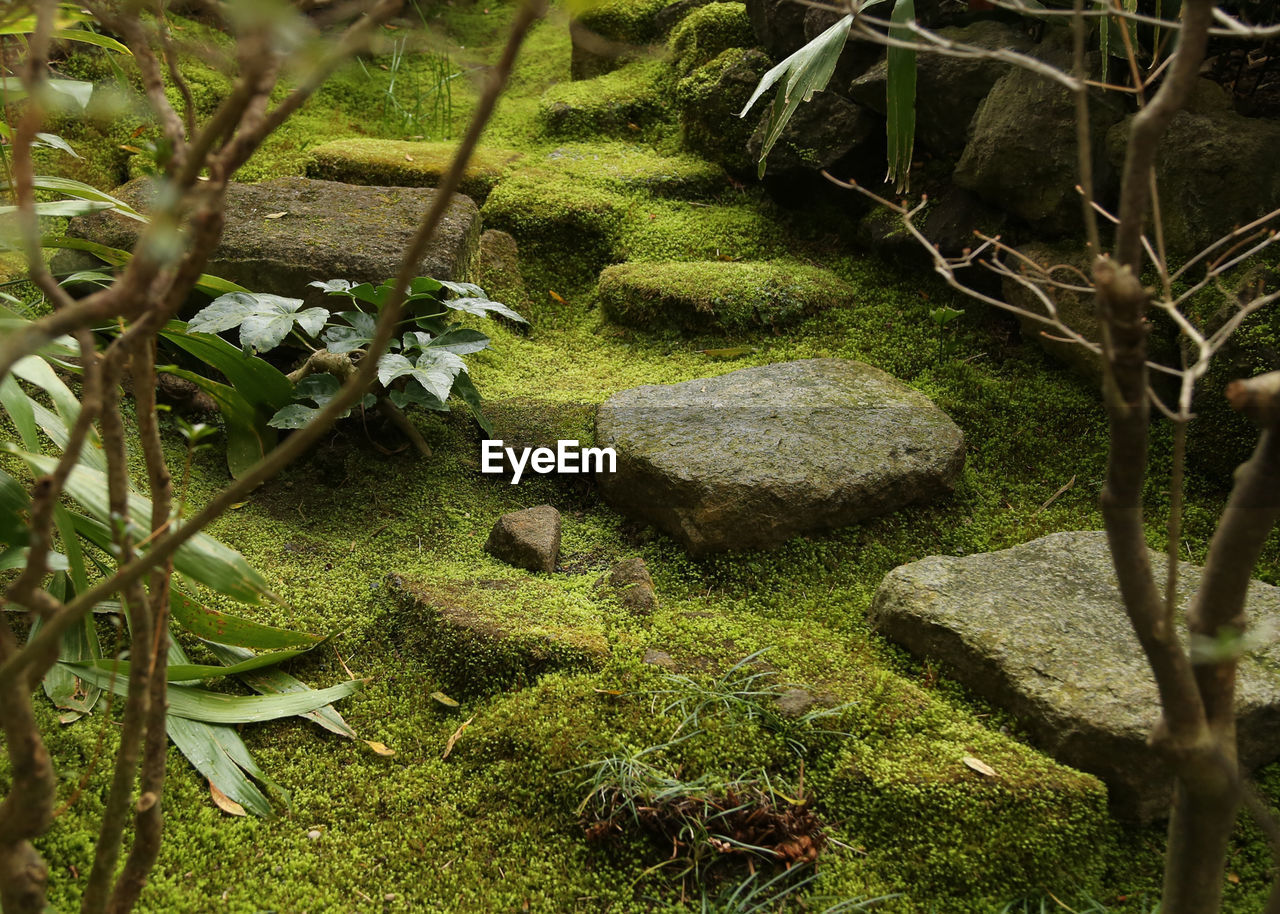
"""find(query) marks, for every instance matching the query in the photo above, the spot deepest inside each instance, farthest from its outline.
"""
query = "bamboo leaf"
(249, 438)
(901, 92)
(221, 708)
(203, 558)
(204, 745)
(255, 379)
(185, 672)
(212, 625)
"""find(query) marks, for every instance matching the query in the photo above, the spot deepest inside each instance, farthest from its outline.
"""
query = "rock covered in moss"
(631, 580)
(1021, 151)
(484, 636)
(706, 33)
(717, 294)
(1039, 629)
(405, 163)
(527, 539)
(824, 131)
(284, 233)
(1199, 165)
(575, 225)
(611, 33)
(948, 89)
(624, 102)
(630, 168)
(499, 269)
(754, 457)
(709, 100)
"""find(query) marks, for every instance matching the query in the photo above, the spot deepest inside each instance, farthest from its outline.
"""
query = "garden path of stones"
(752, 458)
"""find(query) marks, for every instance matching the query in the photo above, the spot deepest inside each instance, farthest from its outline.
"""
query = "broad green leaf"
(275, 681)
(205, 746)
(901, 92)
(434, 369)
(249, 438)
(180, 672)
(213, 625)
(264, 319)
(67, 208)
(295, 415)
(468, 394)
(805, 72)
(482, 307)
(255, 379)
(203, 558)
(460, 341)
(64, 688)
(221, 708)
(82, 191)
(331, 286)
(414, 395)
(86, 37)
(339, 339)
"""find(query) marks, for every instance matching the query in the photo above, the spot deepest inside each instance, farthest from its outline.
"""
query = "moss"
(672, 230)
(402, 163)
(578, 226)
(487, 635)
(632, 169)
(624, 103)
(717, 294)
(626, 21)
(709, 100)
(706, 33)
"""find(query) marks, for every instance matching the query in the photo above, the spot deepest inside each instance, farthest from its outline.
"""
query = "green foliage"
(423, 367)
(706, 33)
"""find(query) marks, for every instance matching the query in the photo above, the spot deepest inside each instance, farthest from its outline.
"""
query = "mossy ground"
(494, 827)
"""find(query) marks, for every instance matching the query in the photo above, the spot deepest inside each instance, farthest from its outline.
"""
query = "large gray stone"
(284, 233)
(1039, 630)
(752, 458)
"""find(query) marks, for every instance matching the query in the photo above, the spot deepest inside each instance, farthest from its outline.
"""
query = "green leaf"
(203, 558)
(221, 708)
(295, 415)
(435, 370)
(482, 307)
(249, 438)
(264, 319)
(331, 286)
(86, 37)
(275, 681)
(461, 341)
(21, 411)
(83, 191)
(255, 379)
(181, 672)
(901, 97)
(67, 208)
(213, 625)
(63, 687)
(806, 71)
(213, 751)
(339, 339)
(467, 392)
(53, 141)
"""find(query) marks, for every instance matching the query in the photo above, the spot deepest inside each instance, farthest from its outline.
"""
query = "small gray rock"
(631, 580)
(527, 539)
(796, 702)
(1040, 630)
(655, 657)
(752, 458)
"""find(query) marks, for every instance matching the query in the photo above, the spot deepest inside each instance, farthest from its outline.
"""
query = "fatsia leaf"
(221, 708)
(901, 97)
(435, 370)
(264, 319)
(331, 286)
(482, 307)
(339, 339)
(461, 341)
(805, 72)
(295, 415)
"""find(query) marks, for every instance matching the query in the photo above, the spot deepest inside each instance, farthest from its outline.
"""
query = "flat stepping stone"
(1040, 631)
(284, 233)
(752, 458)
(623, 103)
(717, 294)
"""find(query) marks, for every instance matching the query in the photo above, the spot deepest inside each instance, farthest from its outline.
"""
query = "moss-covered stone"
(675, 230)
(629, 168)
(708, 32)
(483, 636)
(576, 226)
(956, 835)
(499, 269)
(709, 100)
(612, 33)
(622, 103)
(717, 294)
(403, 163)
